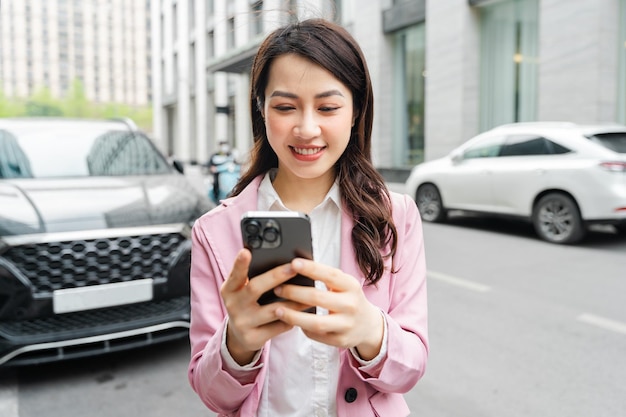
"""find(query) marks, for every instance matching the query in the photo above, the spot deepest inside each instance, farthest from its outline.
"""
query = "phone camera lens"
(253, 228)
(270, 234)
(255, 242)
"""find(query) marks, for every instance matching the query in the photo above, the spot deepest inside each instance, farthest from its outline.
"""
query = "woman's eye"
(328, 109)
(284, 108)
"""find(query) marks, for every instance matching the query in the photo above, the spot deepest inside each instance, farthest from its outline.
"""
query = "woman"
(312, 111)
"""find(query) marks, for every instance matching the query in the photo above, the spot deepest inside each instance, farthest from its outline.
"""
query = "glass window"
(230, 36)
(29, 152)
(256, 18)
(486, 148)
(621, 98)
(613, 141)
(522, 145)
(508, 62)
(410, 69)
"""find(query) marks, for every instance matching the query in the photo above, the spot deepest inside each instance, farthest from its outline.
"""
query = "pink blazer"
(400, 295)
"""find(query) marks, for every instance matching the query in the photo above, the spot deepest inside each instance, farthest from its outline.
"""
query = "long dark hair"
(363, 189)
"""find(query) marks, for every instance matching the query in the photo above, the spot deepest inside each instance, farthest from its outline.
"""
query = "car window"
(486, 148)
(521, 145)
(36, 153)
(613, 141)
(13, 162)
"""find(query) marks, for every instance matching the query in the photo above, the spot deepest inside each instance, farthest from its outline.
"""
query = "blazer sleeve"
(217, 389)
(407, 312)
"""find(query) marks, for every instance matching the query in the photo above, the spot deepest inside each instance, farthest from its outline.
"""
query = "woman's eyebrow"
(324, 94)
(329, 93)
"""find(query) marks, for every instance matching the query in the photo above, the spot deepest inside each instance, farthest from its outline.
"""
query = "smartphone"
(275, 238)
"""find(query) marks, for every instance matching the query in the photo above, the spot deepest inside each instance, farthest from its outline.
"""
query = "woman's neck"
(301, 194)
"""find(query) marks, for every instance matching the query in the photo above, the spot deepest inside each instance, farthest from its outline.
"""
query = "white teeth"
(307, 151)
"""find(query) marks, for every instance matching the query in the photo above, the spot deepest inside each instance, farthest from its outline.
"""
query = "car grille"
(96, 321)
(51, 266)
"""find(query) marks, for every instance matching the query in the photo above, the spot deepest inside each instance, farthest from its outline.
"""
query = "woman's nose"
(307, 127)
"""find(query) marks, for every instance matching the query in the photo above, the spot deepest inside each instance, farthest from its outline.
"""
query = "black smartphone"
(275, 238)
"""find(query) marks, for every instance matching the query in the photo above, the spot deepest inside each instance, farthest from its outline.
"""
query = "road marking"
(603, 323)
(459, 282)
(8, 397)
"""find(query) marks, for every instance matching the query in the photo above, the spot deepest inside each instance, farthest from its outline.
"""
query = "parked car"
(94, 240)
(560, 176)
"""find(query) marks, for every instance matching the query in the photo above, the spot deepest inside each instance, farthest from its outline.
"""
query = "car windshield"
(613, 141)
(32, 152)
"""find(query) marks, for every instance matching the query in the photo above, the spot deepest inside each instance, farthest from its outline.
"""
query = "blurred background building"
(443, 70)
(103, 44)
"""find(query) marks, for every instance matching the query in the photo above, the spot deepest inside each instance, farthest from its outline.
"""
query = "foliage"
(74, 104)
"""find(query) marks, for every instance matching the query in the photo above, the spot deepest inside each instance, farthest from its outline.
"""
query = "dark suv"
(94, 240)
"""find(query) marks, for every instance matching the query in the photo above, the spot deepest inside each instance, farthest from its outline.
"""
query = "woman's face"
(308, 117)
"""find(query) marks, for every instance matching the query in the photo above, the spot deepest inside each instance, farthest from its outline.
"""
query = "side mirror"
(456, 157)
(178, 166)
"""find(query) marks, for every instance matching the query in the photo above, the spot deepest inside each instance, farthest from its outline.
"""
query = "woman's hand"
(352, 320)
(250, 325)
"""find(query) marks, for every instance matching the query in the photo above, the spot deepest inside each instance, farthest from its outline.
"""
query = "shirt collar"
(270, 200)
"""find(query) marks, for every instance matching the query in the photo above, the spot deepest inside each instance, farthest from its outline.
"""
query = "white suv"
(560, 176)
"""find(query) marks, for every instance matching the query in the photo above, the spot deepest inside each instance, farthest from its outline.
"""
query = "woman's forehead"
(290, 72)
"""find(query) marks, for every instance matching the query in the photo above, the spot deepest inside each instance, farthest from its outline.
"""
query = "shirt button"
(320, 412)
(351, 394)
(319, 365)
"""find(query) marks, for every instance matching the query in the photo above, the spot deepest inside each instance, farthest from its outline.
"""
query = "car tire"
(557, 219)
(620, 228)
(429, 203)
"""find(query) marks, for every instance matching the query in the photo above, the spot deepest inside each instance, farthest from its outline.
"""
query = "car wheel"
(429, 203)
(557, 219)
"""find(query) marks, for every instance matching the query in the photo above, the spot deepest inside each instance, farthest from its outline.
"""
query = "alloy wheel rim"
(556, 221)
(429, 204)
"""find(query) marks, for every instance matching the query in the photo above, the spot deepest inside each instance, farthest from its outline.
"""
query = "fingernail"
(279, 313)
(297, 263)
(278, 290)
(287, 269)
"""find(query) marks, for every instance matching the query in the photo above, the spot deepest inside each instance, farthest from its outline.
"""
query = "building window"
(230, 35)
(210, 41)
(256, 18)
(292, 11)
(410, 70)
(192, 14)
(508, 62)
(621, 98)
(332, 10)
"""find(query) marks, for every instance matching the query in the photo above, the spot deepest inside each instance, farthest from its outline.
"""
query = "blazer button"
(351, 394)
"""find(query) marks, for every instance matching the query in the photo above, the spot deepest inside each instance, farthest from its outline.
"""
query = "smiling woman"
(312, 111)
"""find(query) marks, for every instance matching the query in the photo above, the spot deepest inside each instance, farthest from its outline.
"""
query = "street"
(518, 327)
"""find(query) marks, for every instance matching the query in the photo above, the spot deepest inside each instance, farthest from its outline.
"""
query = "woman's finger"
(238, 277)
(334, 278)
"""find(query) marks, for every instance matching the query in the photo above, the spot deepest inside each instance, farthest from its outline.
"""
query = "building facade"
(102, 43)
(442, 70)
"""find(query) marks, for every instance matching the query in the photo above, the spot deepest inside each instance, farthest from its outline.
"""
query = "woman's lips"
(307, 154)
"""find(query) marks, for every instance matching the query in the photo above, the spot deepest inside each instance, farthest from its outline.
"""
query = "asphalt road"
(518, 327)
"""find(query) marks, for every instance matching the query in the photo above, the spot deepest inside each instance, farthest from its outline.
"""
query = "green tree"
(75, 103)
(41, 103)
(10, 107)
